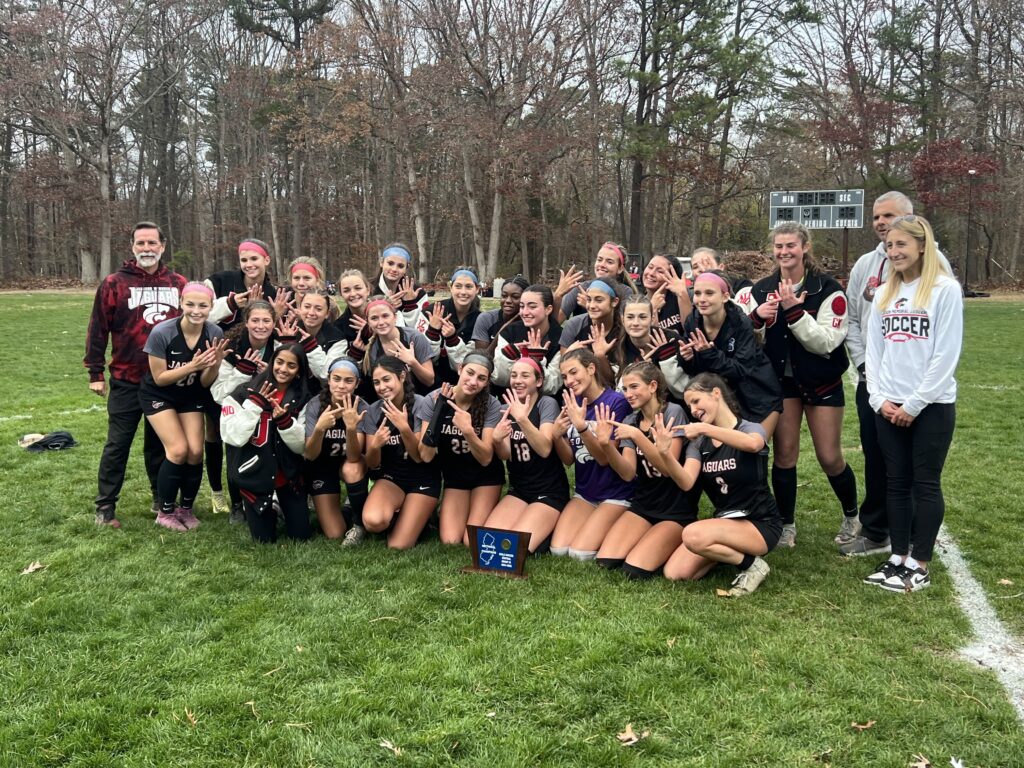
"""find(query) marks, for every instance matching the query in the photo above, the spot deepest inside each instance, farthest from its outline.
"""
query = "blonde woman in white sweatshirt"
(915, 332)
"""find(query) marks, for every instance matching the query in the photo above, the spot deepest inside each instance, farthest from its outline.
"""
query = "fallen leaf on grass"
(491, 714)
(299, 649)
(671, 642)
(920, 761)
(629, 737)
(722, 592)
(33, 567)
(1005, 583)
(388, 745)
(956, 763)
(191, 717)
(862, 726)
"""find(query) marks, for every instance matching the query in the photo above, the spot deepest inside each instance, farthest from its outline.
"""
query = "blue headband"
(465, 273)
(601, 285)
(396, 250)
(344, 361)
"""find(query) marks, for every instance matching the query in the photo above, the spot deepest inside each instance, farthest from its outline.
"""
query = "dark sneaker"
(237, 515)
(187, 517)
(884, 570)
(907, 580)
(749, 580)
(171, 522)
(861, 545)
(849, 530)
(105, 516)
(155, 507)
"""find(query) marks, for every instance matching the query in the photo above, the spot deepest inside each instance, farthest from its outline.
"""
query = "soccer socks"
(215, 464)
(844, 485)
(784, 488)
(168, 482)
(636, 573)
(191, 480)
(357, 493)
(582, 554)
(746, 562)
(611, 563)
(559, 551)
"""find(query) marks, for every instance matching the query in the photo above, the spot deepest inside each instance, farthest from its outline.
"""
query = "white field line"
(993, 647)
(74, 411)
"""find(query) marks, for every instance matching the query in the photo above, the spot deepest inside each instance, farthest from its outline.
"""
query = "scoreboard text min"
(818, 209)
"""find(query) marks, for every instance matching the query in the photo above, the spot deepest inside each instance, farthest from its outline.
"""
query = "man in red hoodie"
(128, 304)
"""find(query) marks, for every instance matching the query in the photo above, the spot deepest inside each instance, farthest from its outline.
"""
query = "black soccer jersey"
(168, 342)
(532, 475)
(656, 495)
(444, 369)
(334, 445)
(459, 467)
(394, 459)
(669, 317)
(736, 481)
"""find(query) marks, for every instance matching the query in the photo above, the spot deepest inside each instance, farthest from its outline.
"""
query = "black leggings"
(259, 513)
(914, 457)
(872, 510)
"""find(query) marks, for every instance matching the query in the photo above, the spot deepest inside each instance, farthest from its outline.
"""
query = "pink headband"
(301, 266)
(618, 252)
(715, 279)
(249, 245)
(198, 288)
(373, 303)
(533, 364)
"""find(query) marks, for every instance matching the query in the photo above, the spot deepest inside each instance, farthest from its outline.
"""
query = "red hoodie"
(128, 304)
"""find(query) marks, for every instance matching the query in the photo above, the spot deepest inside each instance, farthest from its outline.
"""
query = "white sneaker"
(354, 536)
(788, 537)
(218, 504)
(907, 580)
(749, 580)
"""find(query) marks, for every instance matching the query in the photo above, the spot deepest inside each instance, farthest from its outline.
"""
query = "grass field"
(144, 648)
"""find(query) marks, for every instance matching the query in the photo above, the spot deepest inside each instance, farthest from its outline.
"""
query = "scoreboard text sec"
(818, 209)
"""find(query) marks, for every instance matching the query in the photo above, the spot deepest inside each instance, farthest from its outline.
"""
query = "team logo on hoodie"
(157, 302)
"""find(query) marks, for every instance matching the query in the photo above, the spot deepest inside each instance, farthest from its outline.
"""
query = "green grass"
(308, 655)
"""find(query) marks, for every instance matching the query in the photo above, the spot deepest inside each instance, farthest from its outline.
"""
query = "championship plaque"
(496, 551)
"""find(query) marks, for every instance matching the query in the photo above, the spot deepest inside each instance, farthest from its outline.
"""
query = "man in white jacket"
(869, 273)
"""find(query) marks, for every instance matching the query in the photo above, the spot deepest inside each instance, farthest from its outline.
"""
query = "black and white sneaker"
(907, 580)
(883, 571)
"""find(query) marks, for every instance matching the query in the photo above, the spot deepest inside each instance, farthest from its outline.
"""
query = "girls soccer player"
(394, 281)
(334, 449)
(720, 340)
(526, 438)
(405, 488)
(665, 286)
(234, 288)
(461, 443)
(535, 335)
(184, 357)
(263, 423)
(649, 532)
(600, 329)
(800, 312)
(453, 319)
(644, 340)
(915, 333)
(387, 338)
(609, 266)
(491, 323)
(729, 456)
(601, 495)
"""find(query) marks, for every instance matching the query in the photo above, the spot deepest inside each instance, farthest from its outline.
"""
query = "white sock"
(560, 551)
(896, 559)
(912, 564)
(582, 554)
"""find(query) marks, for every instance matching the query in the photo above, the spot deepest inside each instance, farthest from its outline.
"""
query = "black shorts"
(492, 474)
(425, 486)
(322, 481)
(831, 395)
(654, 519)
(556, 500)
(770, 530)
(153, 400)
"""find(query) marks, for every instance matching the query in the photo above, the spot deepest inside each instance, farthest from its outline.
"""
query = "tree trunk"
(419, 223)
(495, 240)
(279, 263)
(103, 169)
(474, 212)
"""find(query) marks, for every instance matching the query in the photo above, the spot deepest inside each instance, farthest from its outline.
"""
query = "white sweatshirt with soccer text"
(912, 352)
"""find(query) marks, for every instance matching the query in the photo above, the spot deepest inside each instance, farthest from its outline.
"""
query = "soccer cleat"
(218, 503)
(749, 580)
(788, 537)
(884, 570)
(237, 514)
(105, 516)
(171, 522)
(861, 545)
(907, 580)
(187, 517)
(849, 530)
(354, 536)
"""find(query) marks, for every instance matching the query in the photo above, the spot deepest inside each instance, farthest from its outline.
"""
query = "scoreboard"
(818, 209)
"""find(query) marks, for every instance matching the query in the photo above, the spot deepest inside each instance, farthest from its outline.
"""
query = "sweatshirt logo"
(906, 326)
(157, 302)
